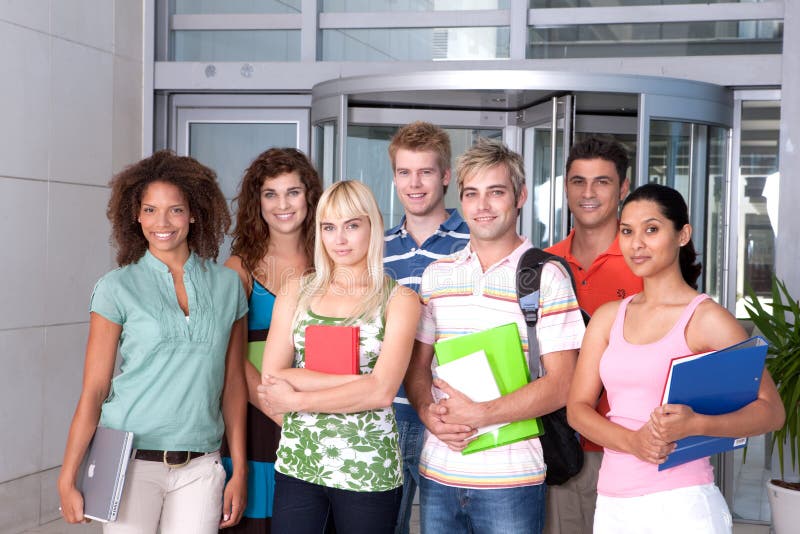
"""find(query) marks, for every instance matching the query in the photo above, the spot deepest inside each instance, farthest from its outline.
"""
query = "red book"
(333, 349)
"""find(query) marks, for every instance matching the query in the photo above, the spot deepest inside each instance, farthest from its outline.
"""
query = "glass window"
(202, 7)
(365, 6)
(325, 151)
(714, 252)
(691, 158)
(656, 39)
(670, 150)
(538, 143)
(228, 148)
(236, 45)
(758, 198)
(368, 162)
(415, 44)
(614, 3)
(758, 217)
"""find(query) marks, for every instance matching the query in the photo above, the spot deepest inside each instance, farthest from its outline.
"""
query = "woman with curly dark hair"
(273, 242)
(177, 320)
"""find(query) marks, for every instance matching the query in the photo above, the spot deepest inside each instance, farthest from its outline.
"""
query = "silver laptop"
(102, 474)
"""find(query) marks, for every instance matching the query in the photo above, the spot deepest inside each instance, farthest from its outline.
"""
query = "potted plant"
(778, 323)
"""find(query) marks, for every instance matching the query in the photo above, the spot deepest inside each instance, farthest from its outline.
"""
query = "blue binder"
(714, 383)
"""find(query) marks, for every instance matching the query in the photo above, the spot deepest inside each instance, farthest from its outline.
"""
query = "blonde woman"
(339, 452)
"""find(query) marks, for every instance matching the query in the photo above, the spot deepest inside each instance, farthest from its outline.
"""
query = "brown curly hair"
(251, 235)
(197, 183)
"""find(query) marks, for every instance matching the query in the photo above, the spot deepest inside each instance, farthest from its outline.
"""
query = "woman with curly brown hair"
(273, 242)
(177, 320)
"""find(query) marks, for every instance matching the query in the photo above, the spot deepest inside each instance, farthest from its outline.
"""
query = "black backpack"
(562, 450)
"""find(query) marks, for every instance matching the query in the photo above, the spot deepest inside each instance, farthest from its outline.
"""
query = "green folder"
(503, 349)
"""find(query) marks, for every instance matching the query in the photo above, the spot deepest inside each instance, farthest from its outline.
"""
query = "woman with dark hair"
(627, 349)
(177, 320)
(273, 242)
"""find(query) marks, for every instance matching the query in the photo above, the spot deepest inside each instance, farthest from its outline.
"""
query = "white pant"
(696, 509)
(178, 500)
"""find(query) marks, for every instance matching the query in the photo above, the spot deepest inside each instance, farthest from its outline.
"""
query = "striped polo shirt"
(405, 261)
(460, 298)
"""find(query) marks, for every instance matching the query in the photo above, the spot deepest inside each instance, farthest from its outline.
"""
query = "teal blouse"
(169, 390)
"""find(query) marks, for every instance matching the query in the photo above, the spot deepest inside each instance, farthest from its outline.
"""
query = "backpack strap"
(529, 279)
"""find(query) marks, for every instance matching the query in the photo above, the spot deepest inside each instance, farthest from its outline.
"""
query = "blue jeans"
(303, 508)
(481, 511)
(412, 437)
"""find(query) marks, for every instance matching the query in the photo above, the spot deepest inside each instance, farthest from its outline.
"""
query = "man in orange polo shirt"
(596, 183)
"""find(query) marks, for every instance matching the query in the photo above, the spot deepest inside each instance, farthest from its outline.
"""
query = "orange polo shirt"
(607, 278)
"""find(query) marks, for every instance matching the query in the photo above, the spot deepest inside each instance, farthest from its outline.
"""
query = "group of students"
(231, 431)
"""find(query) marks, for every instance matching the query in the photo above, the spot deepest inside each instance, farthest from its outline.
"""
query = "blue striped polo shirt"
(405, 261)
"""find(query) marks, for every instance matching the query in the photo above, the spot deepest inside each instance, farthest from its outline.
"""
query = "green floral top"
(353, 451)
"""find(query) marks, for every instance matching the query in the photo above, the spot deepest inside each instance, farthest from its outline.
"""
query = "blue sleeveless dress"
(263, 435)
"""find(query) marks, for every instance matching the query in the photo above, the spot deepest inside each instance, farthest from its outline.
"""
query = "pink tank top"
(633, 376)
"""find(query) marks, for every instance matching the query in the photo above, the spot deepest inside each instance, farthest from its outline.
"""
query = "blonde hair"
(422, 136)
(343, 200)
(485, 154)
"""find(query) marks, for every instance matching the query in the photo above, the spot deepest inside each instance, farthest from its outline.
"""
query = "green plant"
(779, 326)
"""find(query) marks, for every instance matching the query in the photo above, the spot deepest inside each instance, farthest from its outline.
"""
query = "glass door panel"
(692, 158)
(325, 151)
(715, 211)
(755, 163)
(538, 142)
(545, 215)
(670, 152)
(228, 148)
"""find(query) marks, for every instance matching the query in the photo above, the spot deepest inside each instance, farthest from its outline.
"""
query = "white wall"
(70, 116)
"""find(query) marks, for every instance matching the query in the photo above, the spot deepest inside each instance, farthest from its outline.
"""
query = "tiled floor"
(59, 527)
(749, 485)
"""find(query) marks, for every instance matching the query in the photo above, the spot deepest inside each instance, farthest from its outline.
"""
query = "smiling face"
(165, 220)
(488, 204)
(594, 191)
(649, 241)
(420, 181)
(283, 203)
(346, 239)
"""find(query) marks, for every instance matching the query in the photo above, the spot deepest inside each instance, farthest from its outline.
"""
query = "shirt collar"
(154, 263)
(612, 250)
(451, 223)
(400, 228)
(466, 254)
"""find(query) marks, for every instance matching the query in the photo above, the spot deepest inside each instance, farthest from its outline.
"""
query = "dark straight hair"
(673, 207)
(596, 148)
